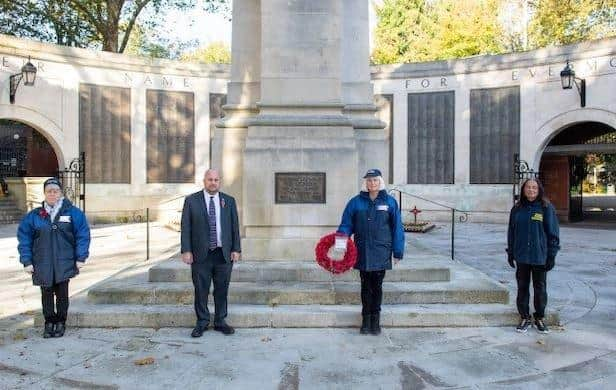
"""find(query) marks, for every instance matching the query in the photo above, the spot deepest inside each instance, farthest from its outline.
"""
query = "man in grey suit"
(210, 243)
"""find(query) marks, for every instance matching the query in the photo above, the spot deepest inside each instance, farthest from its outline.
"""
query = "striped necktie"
(212, 221)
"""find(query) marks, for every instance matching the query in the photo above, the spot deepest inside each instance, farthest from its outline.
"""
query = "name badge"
(382, 207)
(65, 218)
(537, 217)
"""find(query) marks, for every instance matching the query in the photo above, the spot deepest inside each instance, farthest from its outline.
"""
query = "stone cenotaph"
(300, 126)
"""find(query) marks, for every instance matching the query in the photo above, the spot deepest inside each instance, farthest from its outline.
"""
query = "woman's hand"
(29, 269)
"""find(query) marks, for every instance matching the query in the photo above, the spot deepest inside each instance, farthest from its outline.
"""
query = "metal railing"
(124, 217)
(463, 217)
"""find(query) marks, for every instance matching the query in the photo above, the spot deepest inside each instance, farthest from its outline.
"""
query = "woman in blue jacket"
(532, 244)
(54, 242)
(374, 218)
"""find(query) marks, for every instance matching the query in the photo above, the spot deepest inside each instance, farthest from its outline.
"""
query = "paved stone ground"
(113, 248)
(579, 355)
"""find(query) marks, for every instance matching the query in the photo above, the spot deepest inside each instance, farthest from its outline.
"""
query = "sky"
(197, 24)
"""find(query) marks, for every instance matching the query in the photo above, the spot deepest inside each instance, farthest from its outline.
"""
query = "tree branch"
(131, 24)
(96, 22)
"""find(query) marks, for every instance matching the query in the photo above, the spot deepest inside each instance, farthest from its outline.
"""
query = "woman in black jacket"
(532, 244)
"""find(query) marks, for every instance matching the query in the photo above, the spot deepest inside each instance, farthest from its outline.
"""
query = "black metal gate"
(521, 172)
(13, 150)
(73, 179)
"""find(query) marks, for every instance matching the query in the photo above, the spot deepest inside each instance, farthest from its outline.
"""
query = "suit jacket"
(196, 228)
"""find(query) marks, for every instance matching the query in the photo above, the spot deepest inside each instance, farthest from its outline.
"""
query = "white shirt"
(53, 210)
(217, 209)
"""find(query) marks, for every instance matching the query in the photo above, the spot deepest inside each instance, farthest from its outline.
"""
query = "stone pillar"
(357, 91)
(356, 85)
(300, 128)
(243, 92)
(299, 101)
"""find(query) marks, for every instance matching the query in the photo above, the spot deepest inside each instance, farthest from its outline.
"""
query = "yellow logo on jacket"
(537, 217)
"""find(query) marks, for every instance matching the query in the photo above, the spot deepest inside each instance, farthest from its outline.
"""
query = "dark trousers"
(55, 302)
(217, 269)
(523, 275)
(371, 291)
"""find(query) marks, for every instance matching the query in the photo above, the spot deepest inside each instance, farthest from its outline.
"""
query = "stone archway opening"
(25, 152)
(578, 168)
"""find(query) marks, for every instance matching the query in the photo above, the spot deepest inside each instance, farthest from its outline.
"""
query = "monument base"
(298, 173)
(283, 243)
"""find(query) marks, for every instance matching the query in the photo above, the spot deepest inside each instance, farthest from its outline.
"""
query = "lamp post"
(28, 74)
(567, 79)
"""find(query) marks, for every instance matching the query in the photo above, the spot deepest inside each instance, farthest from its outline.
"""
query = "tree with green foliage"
(83, 23)
(562, 22)
(426, 30)
(46, 20)
(145, 42)
(214, 53)
(467, 28)
(405, 32)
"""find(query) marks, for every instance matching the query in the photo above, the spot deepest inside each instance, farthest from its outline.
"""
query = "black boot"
(366, 324)
(60, 328)
(49, 330)
(375, 327)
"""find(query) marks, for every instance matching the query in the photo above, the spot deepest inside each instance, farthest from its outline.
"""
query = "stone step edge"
(162, 275)
(320, 286)
(297, 316)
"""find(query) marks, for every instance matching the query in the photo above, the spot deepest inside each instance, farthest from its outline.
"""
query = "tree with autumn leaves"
(407, 30)
(426, 30)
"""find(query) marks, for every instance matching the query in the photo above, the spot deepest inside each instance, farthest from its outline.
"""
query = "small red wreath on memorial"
(333, 265)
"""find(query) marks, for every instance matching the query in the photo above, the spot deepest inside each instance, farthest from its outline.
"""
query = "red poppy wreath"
(333, 265)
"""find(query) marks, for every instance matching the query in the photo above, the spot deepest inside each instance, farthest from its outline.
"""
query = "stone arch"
(559, 123)
(48, 128)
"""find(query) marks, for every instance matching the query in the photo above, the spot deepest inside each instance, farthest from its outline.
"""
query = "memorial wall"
(452, 127)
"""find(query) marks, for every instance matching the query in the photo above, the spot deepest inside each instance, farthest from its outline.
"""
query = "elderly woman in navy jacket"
(54, 242)
(374, 218)
(532, 244)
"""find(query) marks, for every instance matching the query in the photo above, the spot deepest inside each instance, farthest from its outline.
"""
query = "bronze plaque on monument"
(300, 187)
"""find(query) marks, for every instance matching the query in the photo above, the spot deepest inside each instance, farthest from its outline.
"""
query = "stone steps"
(83, 314)
(259, 271)
(9, 213)
(425, 290)
(302, 293)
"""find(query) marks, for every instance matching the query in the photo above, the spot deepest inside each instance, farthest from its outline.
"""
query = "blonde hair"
(382, 186)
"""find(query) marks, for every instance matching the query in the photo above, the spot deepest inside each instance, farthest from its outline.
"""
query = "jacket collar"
(382, 195)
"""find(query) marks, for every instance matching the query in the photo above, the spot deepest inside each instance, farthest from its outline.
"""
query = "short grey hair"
(382, 186)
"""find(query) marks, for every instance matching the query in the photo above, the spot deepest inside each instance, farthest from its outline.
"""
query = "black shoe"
(49, 330)
(198, 331)
(60, 329)
(365, 324)
(375, 326)
(224, 328)
(523, 326)
(541, 326)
